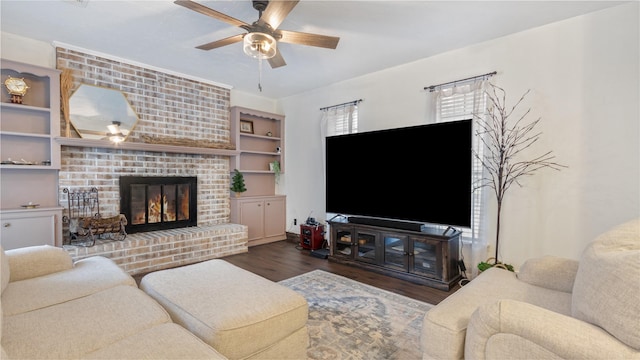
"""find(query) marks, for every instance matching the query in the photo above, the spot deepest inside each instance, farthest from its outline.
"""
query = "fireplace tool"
(85, 222)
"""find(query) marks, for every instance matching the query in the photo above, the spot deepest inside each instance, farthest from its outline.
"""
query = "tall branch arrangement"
(505, 136)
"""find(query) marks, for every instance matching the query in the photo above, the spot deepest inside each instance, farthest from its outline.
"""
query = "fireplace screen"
(157, 203)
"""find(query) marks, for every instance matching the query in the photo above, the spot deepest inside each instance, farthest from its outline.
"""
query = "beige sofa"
(91, 309)
(553, 308)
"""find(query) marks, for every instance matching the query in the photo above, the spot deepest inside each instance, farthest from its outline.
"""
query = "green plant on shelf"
(275, 167)
(237, 183)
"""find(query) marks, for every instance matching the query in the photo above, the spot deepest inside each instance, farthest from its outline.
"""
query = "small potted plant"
(237, 183)
(275, 167)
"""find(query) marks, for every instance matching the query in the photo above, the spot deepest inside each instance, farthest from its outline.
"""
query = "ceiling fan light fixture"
(259, 45)
(115, 134)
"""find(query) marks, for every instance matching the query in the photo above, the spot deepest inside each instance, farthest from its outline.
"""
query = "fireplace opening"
(158, 203)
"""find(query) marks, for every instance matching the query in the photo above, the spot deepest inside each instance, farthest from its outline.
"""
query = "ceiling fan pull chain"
(260, 74)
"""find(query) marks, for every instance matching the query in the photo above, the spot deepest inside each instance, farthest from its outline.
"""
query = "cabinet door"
(28, 231)
(396, 251)
(274, 217)
(366, 244)
(252, 215)
(426, 258)
(342, 241)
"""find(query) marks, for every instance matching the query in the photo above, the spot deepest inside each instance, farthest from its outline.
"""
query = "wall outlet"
(295, 221)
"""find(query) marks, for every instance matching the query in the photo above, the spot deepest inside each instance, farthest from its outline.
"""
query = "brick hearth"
(144, 252)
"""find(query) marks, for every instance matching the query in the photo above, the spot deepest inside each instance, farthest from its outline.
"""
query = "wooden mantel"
(144, 147)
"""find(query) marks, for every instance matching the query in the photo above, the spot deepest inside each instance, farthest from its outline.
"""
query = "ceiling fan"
(262, 35)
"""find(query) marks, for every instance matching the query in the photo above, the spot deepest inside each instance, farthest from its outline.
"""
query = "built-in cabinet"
(30, 157)
(28, 227)
(265, 217)
(259, 140)
(427, 257)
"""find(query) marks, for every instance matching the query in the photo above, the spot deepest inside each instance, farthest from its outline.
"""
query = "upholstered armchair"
(552, 308)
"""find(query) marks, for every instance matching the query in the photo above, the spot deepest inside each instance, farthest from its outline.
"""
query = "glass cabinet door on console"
(343, 236)
(396, 251)
(425, 259)
(366, 245)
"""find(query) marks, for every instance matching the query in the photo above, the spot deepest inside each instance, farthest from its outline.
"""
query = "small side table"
(311, 236)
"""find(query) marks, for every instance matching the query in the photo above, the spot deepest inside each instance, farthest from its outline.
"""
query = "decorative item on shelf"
(492, 262)
(275, 167)
(503, 140)
(9, 161)
(246, 126)
(269, 134)
(237, 183)
(17, 88)
(30, 205)
(278, 149)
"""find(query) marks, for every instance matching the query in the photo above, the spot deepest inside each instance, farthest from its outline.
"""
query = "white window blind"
(342, 120)
(460, 106)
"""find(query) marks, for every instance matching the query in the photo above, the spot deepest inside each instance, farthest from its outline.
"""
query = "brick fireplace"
(168, 106)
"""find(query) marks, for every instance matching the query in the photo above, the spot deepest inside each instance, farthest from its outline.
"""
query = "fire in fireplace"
(158, 203)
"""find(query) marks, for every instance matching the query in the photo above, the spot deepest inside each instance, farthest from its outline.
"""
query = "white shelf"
(22, 107)
(264, 137)
(32, 135)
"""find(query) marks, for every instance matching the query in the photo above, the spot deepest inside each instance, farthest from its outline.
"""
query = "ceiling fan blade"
(277, 60)
(210, 12)
(276, 11)
(222, 42)
(294, 37)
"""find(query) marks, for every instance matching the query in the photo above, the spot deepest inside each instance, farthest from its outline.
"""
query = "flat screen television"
(418, 173)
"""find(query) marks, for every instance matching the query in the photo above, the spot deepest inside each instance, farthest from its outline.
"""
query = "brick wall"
(167, 106)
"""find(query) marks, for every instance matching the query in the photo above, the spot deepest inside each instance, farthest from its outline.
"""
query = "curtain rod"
(354, 102)
(433, 87)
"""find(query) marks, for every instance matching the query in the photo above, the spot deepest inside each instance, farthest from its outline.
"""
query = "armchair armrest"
(514, 329)
(550, 272)
(33, 261)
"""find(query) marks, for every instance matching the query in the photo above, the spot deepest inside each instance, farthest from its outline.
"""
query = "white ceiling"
(374, 35)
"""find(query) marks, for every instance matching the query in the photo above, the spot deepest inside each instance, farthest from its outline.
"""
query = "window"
(459, 102)
(342, 119)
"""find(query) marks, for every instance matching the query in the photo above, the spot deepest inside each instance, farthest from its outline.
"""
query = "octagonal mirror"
(100, 113)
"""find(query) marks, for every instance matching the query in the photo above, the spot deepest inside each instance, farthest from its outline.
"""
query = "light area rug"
(350, 320)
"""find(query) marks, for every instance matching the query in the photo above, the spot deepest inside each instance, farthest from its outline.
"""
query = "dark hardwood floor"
(284, 259)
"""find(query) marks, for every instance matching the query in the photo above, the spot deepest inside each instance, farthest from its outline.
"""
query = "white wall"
(583, 73)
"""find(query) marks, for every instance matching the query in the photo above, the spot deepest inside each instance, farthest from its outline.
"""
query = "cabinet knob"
(268, 204)
(6, 224)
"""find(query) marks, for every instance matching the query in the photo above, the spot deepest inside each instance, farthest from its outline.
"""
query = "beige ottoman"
(238, 313)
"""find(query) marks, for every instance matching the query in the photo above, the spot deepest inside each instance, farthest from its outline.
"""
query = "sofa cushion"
(606, 291)
(33, 261)
(225, 305)
(5, 270)
(87, 276)
(77, 327)
(166, 341)
(550, 272)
